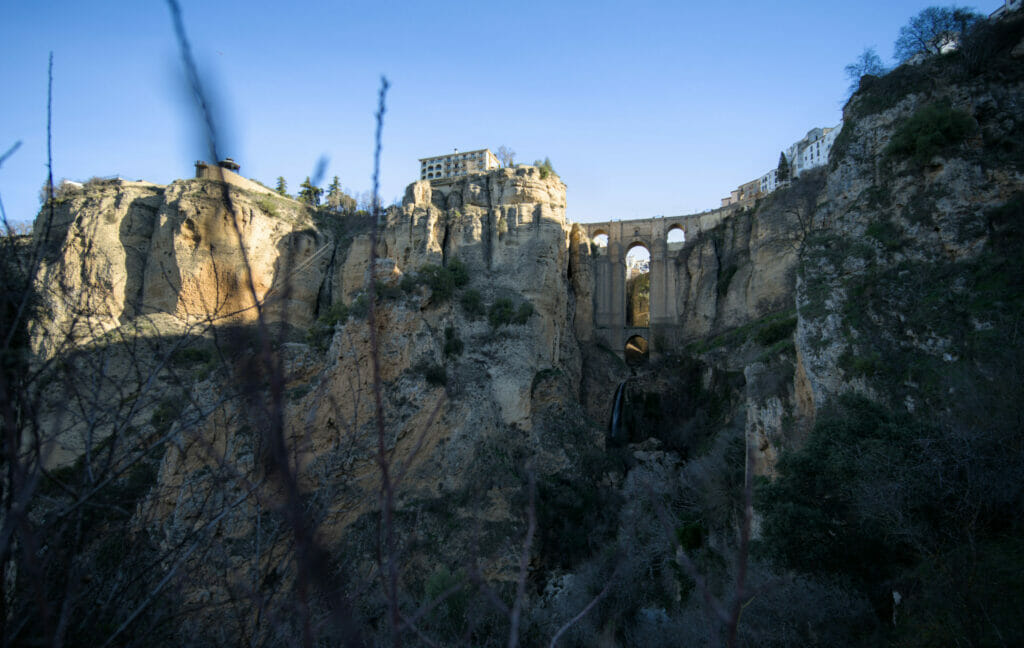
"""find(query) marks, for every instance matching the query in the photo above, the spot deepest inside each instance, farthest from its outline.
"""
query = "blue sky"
(645, 108)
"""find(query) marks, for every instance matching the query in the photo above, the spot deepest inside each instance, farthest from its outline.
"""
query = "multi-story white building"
(810, 152)
(457, 164)
(770, 181)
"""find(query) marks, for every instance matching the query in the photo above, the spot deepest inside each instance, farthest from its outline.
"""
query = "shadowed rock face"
(769, 298)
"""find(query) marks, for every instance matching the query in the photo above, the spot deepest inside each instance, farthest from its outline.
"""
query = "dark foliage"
(576, 519)
(776, 331)
(933, 30)
(891, 502)
(929, 131)
(504, 312)
(443, 280)
(452, 343)
(473, 303)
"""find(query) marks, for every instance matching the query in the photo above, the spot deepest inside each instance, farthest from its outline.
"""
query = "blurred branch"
(9, 152)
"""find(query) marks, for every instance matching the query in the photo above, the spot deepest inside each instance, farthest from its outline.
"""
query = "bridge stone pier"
(609, 263)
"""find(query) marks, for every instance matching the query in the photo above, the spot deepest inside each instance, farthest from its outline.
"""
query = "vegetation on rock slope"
(909, 482)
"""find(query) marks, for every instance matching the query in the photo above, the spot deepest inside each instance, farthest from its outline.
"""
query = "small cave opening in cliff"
(637, 351)
(638, 286)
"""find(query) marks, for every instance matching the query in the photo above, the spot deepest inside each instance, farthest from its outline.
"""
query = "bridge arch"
(638, 285)
(664, 238)
(636, 350)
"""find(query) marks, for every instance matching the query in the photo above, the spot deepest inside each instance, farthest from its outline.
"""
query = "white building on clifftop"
(809, 153)
(457, 164)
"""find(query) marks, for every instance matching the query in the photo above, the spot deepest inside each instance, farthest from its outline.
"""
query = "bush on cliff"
(503, 313)
(473, 303)
(545, 167)
(929, 131)
(443, 280)
(889, 502)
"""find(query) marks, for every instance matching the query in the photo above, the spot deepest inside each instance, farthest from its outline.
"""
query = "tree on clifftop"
(545, 167)
(782, 173)
(310, 194)
(867, 63)
(282, 186)
(933, 31)
(506, 156)
(337, 199)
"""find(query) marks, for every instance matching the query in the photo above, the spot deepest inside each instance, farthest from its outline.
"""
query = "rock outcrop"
(214, 356)
(116, 250)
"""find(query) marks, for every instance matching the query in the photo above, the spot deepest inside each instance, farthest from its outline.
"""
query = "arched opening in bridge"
(638, 285)
(637, 351)
(600, 240)
(676, 237)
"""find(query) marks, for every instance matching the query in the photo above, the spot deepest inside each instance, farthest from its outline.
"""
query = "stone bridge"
(609, 264)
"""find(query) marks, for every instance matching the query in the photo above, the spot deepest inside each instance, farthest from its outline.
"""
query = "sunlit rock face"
(118, 249)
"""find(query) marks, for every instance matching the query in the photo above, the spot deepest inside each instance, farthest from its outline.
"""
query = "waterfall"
(615, 431)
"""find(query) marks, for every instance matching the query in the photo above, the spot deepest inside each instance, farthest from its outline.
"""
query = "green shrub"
(440, 280)
(575, 519)
(877, 497)
(360, 306)
(164, 415)
(691, 534)
(541, 376)
(929, 131)
(191, 355)
(338, 312)
(452, 344)
(812, 521)
(776, 331)
(267, 205)
(887, 233)
(878, 93)
(459, 272)
(450, 614)
(861, 365)
(501, 312)
(523, 313)
(434, 373)
(388, 291)
(545, 168)
(409, 283)
(473, 304)
(320, 333)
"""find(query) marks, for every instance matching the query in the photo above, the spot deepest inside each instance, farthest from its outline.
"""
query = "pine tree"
(310, 194)
(338, 200)
(282, 186)
(782, 173)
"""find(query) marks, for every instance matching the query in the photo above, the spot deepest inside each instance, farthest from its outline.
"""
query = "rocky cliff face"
(903, 229)
(116, 250)
(478, 370)
(247, 462)
(743, 269)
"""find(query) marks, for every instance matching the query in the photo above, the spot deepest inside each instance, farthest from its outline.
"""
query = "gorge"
(243, 420)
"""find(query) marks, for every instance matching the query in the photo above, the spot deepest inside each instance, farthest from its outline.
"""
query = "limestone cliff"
(116, 250)
(474, 379)
(238, 457)
(908, 240)
(743, 269)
